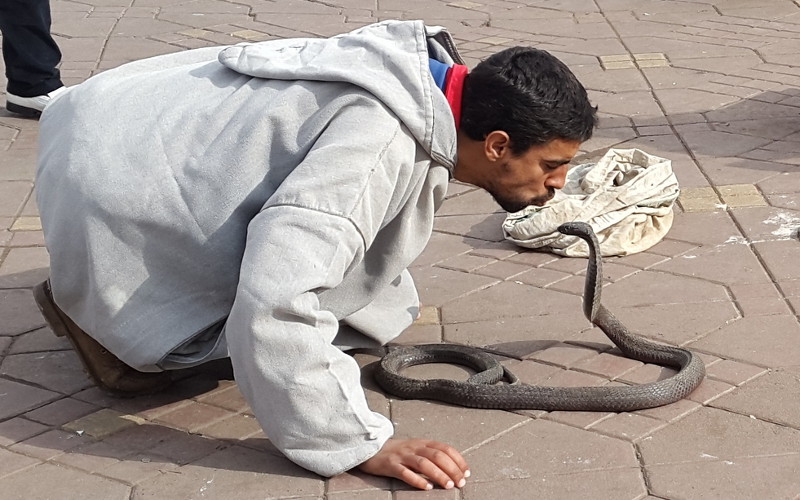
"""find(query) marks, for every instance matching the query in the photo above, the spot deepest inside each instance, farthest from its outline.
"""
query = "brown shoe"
(105, 369)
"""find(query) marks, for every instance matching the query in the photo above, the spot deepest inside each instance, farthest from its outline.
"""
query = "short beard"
(512, 206)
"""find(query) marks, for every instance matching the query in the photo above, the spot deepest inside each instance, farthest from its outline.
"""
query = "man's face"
(532, 177)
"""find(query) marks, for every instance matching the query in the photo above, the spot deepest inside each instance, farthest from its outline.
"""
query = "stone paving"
(712, 85)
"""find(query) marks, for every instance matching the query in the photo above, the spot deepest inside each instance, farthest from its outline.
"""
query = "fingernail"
(467, 473)
(462, 483)
(449, 485)
(429, 486)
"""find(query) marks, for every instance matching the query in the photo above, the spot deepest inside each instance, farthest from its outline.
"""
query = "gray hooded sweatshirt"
(261, 201)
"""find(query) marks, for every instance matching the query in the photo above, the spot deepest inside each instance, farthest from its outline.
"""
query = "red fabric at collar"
(454, 88)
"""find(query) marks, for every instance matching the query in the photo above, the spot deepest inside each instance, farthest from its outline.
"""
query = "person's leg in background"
(30, 54)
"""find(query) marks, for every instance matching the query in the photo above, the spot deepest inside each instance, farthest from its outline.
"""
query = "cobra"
(481, 390)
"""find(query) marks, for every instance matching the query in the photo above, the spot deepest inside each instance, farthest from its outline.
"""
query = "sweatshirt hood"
(389, 60)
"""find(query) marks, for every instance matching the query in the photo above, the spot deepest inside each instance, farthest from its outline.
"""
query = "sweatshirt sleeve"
(305, 392)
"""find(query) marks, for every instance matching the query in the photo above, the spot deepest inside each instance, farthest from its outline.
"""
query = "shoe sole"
(60, 328)
(23, 110)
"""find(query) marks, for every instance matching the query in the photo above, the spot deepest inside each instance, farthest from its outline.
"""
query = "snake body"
(481, 390)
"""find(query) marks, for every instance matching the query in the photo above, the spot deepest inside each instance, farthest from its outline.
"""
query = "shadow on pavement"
(39, 373)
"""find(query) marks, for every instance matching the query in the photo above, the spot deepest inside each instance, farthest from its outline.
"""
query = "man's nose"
(558, 178)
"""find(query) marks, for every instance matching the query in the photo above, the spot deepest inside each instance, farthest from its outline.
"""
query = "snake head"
(584, 231)
(576, 228)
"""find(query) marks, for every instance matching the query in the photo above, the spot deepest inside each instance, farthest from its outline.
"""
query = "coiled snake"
(480, 390)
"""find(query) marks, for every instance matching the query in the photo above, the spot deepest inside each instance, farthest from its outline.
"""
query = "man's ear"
(497, 145)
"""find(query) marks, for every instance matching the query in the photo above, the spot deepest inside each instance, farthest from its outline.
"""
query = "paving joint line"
(661, 425)
(61, 395)
(249, 7)
(643, 467)
(25, 468)
(760, 419)
(686, 276)
(763, 263)
(20, 334)
(757, 376)
(734, 301)
(107, 38)
(763, 455)
(497, 436)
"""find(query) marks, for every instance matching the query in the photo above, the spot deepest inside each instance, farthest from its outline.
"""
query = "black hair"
(529, 94)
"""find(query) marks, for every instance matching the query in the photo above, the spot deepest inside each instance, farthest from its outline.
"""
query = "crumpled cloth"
(627, 198)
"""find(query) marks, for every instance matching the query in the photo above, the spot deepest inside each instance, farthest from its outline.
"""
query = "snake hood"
(388, 59)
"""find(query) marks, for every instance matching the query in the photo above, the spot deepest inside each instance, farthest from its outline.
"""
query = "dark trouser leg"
(29, 52)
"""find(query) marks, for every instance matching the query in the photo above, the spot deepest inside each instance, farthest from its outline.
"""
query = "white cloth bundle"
(626, 197)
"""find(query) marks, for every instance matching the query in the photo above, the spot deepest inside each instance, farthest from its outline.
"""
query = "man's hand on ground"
(419, 462)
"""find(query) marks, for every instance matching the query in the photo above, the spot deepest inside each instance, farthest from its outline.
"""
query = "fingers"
(440, 468)
(416, 473)
(454, 455)
(420, 463)
(411, 478)
(440, 463)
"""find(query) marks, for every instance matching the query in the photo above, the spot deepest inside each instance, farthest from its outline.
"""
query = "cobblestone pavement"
(712, 85)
